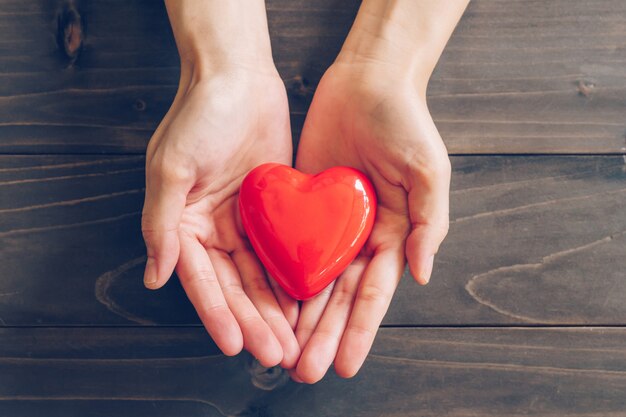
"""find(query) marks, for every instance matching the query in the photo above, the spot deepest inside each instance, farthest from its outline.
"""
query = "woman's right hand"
(229, 116)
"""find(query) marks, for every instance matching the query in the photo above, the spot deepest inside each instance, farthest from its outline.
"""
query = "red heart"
(306, 229)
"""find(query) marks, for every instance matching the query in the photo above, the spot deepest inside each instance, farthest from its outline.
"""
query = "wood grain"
(517, 77)
(417, 372)
(533, 240)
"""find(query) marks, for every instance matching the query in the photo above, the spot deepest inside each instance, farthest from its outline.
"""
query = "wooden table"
(526, 312)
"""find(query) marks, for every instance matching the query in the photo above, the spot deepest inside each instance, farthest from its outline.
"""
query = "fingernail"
(428, 269)
(150, 276)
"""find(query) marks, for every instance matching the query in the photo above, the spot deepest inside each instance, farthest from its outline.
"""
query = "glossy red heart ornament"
(306, 229)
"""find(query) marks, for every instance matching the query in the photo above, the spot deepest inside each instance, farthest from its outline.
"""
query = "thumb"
(428, 201)
(165, 201)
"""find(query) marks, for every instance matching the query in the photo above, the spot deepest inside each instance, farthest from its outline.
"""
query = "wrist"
(214, 36)
(375, 42)
(403, 38)
(373, 66)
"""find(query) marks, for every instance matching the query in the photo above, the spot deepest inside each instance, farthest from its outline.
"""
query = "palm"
(384, 131)
(213, 135)
(211, 212)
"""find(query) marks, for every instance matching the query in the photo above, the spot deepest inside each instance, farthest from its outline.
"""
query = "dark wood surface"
(517, 77)
(525, 314)
(410, 372)
(537, 240)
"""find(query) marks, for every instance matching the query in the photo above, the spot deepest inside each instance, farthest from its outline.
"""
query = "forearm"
(405, 34)
(212, 34)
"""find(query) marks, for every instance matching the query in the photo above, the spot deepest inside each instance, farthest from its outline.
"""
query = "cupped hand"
(372, 119)
(218, 128)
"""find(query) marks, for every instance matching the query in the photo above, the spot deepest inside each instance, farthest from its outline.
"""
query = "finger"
(428, 201)
(310, 314)
(321, 349)
(163, 208)
(257, 287)
(294, 376)
(197, 277)
(258, 338)
(375, 291)
(290, 306)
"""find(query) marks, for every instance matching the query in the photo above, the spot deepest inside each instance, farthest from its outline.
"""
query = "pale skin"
(231, 114)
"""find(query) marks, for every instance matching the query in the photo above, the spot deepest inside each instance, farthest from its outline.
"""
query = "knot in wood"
(267, 379)
(585, 88)
(299, 86)
(139, 105)
(69, 30)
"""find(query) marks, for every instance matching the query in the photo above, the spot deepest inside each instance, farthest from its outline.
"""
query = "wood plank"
(534, 77)
(537, 240)
(421, 372)
(517, 77)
